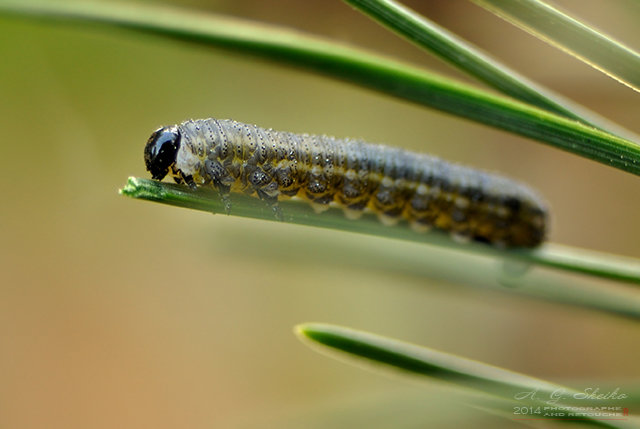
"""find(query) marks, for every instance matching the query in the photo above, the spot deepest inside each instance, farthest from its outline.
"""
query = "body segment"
(394, 183)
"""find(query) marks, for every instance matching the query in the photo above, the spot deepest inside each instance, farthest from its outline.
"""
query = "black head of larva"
(161, 151)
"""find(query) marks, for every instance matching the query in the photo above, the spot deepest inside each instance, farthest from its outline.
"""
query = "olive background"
(122, 313)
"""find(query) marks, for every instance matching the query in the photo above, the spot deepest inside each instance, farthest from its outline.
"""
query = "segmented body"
(394, 183)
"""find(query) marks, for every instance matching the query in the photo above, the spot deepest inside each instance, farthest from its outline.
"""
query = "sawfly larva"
(393, 183)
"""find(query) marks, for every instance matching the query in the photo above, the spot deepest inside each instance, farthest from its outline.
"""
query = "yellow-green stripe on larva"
(355, 175)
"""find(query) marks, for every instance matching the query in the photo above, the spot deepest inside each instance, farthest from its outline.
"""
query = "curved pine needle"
(358, 347)
(556, 28)
(466, 57)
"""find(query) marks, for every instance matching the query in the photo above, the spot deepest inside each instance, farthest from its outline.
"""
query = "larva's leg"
(388, 205)
(277, 212)
(267, 190)
(321, 204)
(189, 181)
(269, 199)
(272, 203)
(224, 191)
(418, 226)
(351, 196)
(460, 227)
(354, 211)
(217, 174)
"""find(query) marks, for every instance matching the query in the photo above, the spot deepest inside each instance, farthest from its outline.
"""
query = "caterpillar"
(355, 175)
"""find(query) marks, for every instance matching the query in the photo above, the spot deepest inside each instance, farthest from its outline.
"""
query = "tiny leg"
(271, 202)
(223, 191)
(217, 174)
(189, 181)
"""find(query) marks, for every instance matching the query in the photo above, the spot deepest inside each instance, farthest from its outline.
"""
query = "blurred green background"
(120, 313)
